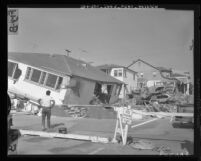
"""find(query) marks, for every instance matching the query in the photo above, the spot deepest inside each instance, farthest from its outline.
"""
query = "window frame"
(45, 80)
(115, 72)
(32, 75)
(120, 71)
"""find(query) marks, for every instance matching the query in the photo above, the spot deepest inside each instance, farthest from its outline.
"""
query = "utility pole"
(68, 51)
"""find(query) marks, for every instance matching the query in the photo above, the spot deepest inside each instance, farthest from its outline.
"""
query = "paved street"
(160, 132)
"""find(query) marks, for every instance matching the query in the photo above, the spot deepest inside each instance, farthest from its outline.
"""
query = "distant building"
(184, 81)
(70, 81)
(149, 75)
(124, 74)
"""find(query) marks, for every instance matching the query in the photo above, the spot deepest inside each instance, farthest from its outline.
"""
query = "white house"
(128, 76)
(70, 81)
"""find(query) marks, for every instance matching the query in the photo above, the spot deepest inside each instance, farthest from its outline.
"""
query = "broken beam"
(65, 136)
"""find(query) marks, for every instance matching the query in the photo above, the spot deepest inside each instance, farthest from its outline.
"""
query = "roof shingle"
(62, 64)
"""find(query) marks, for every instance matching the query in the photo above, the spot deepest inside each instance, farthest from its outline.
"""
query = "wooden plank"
(165, 114)
(74, 105)
(146, 122)
(67, 136)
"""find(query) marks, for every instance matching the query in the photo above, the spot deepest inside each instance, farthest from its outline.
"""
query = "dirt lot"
(160, 132)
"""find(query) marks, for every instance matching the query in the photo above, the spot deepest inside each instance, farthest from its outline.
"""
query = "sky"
(109, 36)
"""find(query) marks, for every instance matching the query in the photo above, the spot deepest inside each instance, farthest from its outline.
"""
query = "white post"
(187, 90)
(125, 134)
(114, 140)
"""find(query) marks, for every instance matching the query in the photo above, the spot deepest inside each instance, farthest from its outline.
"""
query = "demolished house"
(70, 81)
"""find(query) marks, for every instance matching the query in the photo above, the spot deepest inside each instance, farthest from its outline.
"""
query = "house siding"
(131, 83)
(147, 71)
(31, 90)
(83, 94)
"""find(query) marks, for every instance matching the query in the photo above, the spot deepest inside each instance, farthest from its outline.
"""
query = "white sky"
(110, 36)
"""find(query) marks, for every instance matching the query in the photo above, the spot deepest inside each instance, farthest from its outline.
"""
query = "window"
(11, 69)
(120, 73)
(133, 76)
(51, 80)
(115, 73)
(43, 78)
(35, 75)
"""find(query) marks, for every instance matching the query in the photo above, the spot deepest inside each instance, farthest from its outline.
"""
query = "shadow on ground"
(56, 125)
(188, 145)
(183, 125)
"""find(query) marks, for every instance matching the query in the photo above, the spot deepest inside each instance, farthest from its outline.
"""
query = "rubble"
(162, 149)
(143, 145)
(161, 101)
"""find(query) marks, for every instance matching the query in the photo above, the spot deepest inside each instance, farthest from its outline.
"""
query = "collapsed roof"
(62, 64)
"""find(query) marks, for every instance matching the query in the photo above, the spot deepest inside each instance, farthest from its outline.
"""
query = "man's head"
(48, 93)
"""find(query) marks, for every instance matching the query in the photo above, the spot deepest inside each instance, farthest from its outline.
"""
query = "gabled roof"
(62, 64)
(158, 68)
(110, 66)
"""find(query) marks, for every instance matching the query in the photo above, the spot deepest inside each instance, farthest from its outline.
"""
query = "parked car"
(184, 121)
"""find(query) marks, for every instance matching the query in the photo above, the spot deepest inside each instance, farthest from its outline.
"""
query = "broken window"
(11, 68)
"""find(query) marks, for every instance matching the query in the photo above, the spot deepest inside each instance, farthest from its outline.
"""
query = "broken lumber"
(165, 114)
(65, 136)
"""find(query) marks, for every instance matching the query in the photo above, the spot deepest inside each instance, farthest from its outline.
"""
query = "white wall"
(131, 84)
(33, 90)
(112, 73)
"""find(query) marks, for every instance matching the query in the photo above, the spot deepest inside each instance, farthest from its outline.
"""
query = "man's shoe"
(43, 129)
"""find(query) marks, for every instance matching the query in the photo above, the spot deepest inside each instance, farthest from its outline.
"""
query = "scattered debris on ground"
(142, 145)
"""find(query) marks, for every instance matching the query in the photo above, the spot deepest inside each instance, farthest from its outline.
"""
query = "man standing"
(46, 103)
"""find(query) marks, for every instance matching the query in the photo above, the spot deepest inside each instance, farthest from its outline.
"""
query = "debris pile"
(77, 112)
(142, 145)
(159, 101)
